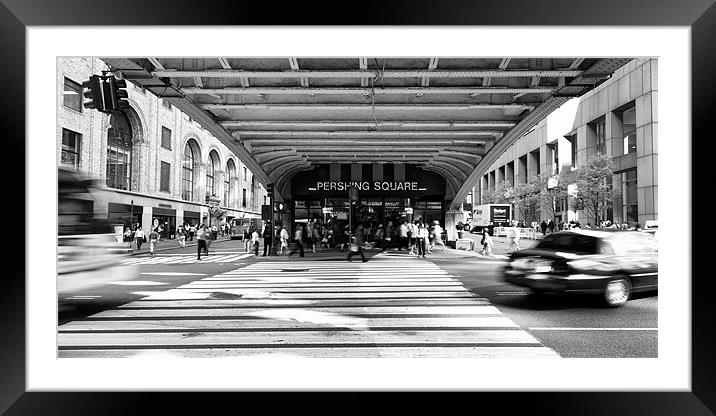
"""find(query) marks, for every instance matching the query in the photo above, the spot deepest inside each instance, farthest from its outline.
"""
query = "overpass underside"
(449, 116)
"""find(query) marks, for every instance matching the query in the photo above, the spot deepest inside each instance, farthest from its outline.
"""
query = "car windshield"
(569, 242)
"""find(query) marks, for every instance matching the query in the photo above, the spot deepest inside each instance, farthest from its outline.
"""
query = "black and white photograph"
(361, 208)
(358, 206)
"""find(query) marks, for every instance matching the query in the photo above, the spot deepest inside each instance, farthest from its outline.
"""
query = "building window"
(245, 174)
(166, 138)
(631, 205)
(72, 95)
(629, 130)
(243, 198)
(187, 180)
(265, 203)
(211, 172)
(167, 104)
(599, 129)
(119, 152)
(71, 148)
(573, 150)
(228, 182)
(164, 177)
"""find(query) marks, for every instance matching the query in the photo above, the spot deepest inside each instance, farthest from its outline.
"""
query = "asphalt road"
(151, 278)
(574, 326)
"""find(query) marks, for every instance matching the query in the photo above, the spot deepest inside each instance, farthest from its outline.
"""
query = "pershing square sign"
(367, 186)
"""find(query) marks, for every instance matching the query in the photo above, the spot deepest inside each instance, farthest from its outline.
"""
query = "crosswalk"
(387, 307)
(218, 257)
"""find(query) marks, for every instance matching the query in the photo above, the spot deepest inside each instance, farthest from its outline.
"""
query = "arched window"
(210, 173)
(187, 179)
(229, 182)
(119, 152)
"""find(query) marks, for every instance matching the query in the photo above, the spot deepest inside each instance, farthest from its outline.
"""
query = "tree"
(594, 191)
(552, 190)
(501, 194)
(526, 196)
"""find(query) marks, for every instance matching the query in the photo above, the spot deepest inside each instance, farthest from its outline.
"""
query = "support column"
(647, 158)
(356, 172)
(451, 219)
(399, 172)
(510, 173)
(614, 129)
(377, 172)
(532, 165)
(335, 173)
(146, 220)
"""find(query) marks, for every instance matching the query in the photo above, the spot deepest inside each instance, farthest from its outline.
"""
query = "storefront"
(192, 217)
(165, 218)
(124, 214)
(414, 194)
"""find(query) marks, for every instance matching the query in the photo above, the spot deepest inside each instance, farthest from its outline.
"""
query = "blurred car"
(611, 263)
(88, 252)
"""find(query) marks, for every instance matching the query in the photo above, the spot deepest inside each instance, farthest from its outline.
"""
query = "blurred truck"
(490, 216)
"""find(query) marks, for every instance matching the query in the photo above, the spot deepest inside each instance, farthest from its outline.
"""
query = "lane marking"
(174, 274)
(591, 329)
(138, 283)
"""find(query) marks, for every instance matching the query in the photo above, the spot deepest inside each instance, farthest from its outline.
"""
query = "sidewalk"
(164, 245)
(500, 250)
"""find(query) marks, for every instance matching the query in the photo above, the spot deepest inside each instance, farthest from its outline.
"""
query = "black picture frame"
(16, 15)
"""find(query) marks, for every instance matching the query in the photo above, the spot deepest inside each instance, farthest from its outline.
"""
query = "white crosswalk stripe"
(186, 258)
(383, 308)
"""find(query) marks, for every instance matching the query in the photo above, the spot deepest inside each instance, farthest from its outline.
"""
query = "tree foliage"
(594, 191)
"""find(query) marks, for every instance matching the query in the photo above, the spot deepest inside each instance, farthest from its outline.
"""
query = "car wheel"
(617, 291)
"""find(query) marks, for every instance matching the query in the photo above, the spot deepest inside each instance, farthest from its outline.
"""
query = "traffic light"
(116, 94)
(269, 190)
(94, 91)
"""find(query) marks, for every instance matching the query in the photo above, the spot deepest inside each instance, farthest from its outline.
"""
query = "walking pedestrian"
(543, 226)
(514, 238)
(379, 238)
(284, 240)
(422, 239)
(255, 241)
(412, 235)
(181, 236)
(402, 236)
(388, 237)
(267, 239)
(437, 234)
(247, 239)
(356, 246)
(486, 243)
(153, 240)
(139, 237)
(550, 226)
(298, 237)
(201, 241)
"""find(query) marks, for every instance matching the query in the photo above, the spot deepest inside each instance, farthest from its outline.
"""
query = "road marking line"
(174, 274)
(592, 329)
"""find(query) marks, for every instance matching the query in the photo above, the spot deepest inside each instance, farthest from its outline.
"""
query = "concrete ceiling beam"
(363, 91)
(248, 134)
(357, 74)
(368, 107)
(365, 124)
(272, 163)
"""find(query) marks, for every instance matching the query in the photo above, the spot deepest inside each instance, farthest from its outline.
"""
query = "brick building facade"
(156, 162)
